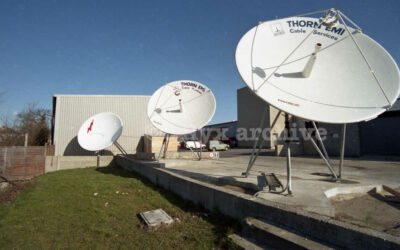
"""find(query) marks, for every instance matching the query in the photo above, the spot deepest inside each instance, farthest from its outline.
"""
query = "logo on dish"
(293, 24)
(277, 29)
(196, 87)
(89, 129)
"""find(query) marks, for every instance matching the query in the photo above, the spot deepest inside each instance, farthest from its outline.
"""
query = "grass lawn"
(60, 210)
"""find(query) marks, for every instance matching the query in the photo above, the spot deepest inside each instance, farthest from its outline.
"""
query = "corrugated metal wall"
(72, 110)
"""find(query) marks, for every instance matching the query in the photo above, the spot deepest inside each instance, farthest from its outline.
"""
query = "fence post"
(26, 140)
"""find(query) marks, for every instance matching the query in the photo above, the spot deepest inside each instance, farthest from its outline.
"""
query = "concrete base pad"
(307, 210)
(311, 183)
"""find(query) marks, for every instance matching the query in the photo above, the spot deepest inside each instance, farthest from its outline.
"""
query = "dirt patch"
(9, 193)
(370, 210)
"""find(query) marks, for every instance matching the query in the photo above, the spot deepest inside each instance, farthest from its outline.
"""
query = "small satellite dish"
(313, 69)
(100, 131)
(181, 107)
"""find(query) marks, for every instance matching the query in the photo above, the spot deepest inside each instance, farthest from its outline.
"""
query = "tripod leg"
(342, 150)
(251, 162)
(166, 146)
(162, 147)
(321, 143)
(255, 154)
(322, 156)
(288, 168)
(201, 142)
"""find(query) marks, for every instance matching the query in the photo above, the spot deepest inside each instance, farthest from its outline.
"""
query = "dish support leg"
(259, 143)
(342, 150)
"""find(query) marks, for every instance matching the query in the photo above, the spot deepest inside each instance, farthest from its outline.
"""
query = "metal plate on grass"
(156, 217)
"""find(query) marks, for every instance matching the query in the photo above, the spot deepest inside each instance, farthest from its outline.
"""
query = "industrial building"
(70, 111)
(380, 136)
(217, 131)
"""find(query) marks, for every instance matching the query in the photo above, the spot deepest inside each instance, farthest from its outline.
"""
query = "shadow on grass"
(221, 223)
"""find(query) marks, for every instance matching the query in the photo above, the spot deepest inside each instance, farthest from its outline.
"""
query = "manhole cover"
(156, 217)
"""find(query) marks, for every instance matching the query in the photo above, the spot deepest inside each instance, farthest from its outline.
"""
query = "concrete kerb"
(55, 163)
(240, 206)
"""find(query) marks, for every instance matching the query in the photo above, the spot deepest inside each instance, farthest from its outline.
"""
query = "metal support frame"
(342, 150)
(255, 154)
(98, 158)
(288, 169)
(322, 155)
(198, 154)
(201, 141)
(120, 148)
(165, 143)
(371, 70)
(251, 162)
(288, 142)
(164, 146)
(319, 138)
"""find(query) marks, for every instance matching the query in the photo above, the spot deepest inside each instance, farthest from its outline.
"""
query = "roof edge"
(62, 95)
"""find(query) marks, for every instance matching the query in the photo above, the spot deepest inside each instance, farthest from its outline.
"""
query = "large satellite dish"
(100, 131)
(181, 107)
(314, 69)
(317, 69)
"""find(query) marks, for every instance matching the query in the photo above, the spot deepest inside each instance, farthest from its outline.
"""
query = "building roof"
(222, 123)
(61, 95)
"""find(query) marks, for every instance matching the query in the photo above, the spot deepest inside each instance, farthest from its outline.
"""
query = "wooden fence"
(21, 163)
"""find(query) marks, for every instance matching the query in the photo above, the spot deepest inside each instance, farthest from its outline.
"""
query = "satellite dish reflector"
(315, 70)
(100, 131)
(181, 107)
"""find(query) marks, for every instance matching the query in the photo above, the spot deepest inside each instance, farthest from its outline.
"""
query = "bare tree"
(9, 136)
(31, 120)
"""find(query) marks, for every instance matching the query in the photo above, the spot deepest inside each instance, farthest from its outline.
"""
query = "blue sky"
(134, 47)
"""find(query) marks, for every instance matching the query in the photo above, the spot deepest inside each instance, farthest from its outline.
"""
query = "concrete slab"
(241, 205)
(311, 182)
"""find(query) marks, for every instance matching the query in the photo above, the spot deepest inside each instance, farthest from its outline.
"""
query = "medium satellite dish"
(313, 69)
(100, 131)
(181, 107)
